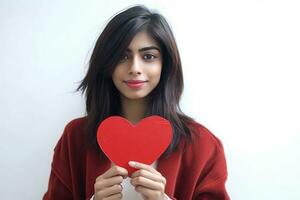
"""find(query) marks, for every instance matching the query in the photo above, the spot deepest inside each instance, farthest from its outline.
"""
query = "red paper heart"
(122, 141)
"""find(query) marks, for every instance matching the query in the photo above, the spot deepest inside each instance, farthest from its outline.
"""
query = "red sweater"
(195, 171)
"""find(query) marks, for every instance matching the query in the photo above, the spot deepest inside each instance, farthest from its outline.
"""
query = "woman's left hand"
(148, 182)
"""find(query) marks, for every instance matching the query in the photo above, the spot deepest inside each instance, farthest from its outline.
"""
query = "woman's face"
(138, 72)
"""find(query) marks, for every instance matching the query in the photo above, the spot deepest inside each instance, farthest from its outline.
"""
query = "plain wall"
(241, 66)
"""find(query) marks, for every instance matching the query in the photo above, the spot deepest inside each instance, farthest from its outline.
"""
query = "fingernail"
(132, 163)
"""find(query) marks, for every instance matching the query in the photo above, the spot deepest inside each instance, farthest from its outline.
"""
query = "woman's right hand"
(108, 185)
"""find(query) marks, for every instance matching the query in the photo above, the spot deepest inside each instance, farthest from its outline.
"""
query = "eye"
(149, 57)
(124, 58)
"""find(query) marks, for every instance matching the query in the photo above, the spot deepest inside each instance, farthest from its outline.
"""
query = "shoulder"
(204, 161)
(204, 153)
(76, 125)
(203, 135)
(74, 134)
(203, 142)
(72, 142)
(69, 151)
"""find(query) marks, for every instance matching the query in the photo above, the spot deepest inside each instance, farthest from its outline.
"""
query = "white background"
(241, 66)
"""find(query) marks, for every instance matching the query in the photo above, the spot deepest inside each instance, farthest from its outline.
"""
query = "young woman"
(135, 71)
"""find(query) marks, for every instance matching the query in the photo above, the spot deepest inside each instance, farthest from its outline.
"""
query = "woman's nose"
(135, 67)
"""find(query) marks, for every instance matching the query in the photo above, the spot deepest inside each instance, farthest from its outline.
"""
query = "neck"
(133, 109)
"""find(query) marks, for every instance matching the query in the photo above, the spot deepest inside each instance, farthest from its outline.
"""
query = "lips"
(135, 84)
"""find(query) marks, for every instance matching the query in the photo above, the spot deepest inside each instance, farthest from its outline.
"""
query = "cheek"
(117, 73)
(155, 72)
(114, 77)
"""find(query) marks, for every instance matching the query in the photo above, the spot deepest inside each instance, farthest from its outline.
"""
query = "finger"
(115, 196)
(147, 183)
(149, 192)
(114, 171)
(149, 175)
(103, 183)
(139, 165)
(106, 192)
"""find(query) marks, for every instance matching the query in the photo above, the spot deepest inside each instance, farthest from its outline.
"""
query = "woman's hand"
(108, 185)
(148, 182)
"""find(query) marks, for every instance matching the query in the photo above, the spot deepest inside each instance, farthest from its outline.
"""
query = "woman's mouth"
(135, 84)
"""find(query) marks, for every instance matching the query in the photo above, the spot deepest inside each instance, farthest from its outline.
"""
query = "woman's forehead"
(142, 40)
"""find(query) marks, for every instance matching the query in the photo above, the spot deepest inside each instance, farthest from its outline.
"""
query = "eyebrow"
(145, 49)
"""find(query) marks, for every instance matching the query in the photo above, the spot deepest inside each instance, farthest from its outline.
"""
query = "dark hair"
(102, 97)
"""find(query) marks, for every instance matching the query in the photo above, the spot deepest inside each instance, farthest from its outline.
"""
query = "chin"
(135, 96)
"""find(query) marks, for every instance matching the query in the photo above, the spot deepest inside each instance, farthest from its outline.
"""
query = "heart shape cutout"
(121, 141)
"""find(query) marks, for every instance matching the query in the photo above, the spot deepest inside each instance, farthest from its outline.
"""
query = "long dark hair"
(102, 97)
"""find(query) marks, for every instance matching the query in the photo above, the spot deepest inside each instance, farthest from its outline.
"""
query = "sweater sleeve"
(60, 182)
(212, 184)
(56, 189)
